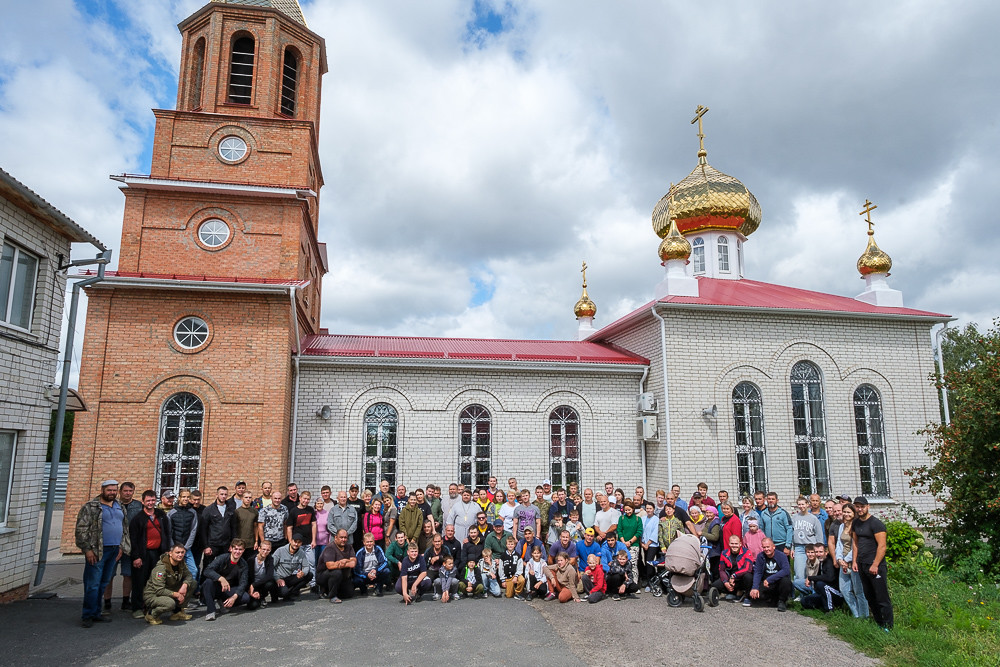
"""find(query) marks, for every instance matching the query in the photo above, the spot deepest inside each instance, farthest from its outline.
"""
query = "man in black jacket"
(149, 534)
(826, 593)
(218, 526)
(226, 579)
(260, 574)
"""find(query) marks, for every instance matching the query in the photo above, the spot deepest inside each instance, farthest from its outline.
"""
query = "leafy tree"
(67, 437)
(963, 474)
(959, 348)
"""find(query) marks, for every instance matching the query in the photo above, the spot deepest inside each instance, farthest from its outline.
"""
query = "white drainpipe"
(666, 400)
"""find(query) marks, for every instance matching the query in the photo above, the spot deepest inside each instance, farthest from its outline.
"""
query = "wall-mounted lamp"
(712, 412)
(325, 412)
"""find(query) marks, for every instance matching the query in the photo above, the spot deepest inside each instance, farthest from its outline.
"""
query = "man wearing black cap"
(869, 561)
(292, 568)
(496, 539)
(357, 538)
(236, 500)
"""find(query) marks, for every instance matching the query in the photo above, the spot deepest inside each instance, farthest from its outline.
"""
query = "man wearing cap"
(868, 542)
(292, 568)
(236, 500)
(167, 498)
(102, 535)
(496, 539)
(588, 545)
(547, 490)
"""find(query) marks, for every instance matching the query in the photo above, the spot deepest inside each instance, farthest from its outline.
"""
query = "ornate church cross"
(698, 113)
(869, 207)
(584, 272)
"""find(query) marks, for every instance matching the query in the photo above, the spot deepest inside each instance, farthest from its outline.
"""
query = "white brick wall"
(709, 353)
(429, 401)
(28, 364)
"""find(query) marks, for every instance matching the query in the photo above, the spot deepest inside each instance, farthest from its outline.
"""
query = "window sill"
(5, 530)
(882, 501)
(14, 329)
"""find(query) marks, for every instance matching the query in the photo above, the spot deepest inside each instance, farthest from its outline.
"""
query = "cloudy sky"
(476, 152)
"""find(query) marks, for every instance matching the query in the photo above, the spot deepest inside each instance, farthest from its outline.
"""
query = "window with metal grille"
(289, 81)
(564, 446)
(178, 461)
(18, 275)
(475, 456)
(698, 255)
(241, 71)
(810, 429)
(751, 455)
(871, 442)
(8, 452)
(381, 422)
(197, 73)
(723, 245)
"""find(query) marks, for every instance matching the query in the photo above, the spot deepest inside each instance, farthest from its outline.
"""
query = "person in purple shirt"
(564, 546)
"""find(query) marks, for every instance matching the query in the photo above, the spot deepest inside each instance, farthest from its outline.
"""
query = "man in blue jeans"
(102, 536)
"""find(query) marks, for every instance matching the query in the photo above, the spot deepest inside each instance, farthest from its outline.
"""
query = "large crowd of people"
(178, 554)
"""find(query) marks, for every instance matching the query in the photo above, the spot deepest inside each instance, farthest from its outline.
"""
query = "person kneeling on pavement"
(292, 568)
(226, 579)
(735, 571)
(336, 569)
(619, 581)
(372, 567)
(169, 585)
(772, 579)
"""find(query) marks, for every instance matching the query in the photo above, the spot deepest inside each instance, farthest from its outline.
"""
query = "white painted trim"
(169, 283)
(149, 183)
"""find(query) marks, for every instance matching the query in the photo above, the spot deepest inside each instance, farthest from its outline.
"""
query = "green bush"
(903, 541)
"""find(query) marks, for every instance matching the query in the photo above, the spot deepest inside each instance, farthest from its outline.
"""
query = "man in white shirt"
(462, 514)
(606, 519)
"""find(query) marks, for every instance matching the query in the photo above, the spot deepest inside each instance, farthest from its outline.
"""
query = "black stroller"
(684, 572)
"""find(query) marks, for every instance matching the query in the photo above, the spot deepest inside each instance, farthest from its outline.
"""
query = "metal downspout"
(642, 443)
(295, 392)
(666, 400)
(940, 365)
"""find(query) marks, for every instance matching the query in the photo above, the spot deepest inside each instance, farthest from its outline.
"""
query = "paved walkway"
(503, 632)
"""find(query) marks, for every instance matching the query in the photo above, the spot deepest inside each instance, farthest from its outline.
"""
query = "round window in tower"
(191, 332)
(232, 149)
(213, 233)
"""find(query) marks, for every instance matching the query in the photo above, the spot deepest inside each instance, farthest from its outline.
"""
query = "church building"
(204, 361)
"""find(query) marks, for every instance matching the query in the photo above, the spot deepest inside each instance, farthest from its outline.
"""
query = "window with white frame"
(18, 275)
(8, 451)
(871, 442)
(475, 456)
(191, 332)
(809, 424)
(751, 456)
(564, 443)
(698, 255)
(381, 422)
(723, 246)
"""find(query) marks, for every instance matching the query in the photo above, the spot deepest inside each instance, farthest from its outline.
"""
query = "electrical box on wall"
(647, 402)
(646, 428)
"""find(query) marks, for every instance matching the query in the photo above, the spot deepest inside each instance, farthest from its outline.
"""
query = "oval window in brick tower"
(178, 456)
(191, 332)
(564, 443)
(380, 445)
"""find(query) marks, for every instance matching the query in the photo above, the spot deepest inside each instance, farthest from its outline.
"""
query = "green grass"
(938, 621)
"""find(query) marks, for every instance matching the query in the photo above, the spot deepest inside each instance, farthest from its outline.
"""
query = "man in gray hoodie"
(292, 568)
(806, 531)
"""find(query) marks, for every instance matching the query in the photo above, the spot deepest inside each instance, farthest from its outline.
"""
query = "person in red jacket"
(593, 579)
(735, 570)
(731, 524)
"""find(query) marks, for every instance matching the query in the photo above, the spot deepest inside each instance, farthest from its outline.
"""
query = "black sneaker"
(520, 597)
(107, 604)
(126, 605)
(616, 597)
(378, 592)
(87, 622)
(782, 606)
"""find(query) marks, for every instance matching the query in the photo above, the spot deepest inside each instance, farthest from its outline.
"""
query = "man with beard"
(869, 561)
(102, 535)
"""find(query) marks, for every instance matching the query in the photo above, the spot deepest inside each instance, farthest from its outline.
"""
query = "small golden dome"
(707, 199)
(674, 246)
(874, 259)
(585, 307)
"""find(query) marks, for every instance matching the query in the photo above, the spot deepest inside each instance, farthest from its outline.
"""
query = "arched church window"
(289, 81)
(564, 446)
(698, 255)
(197, 73)
(723, 246)
(381, 422)
(751, 456)
(241, 70)
(871, 442)
(475, 456)
(178, 457)
(810, 429)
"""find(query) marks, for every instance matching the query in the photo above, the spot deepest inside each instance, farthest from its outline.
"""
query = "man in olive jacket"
(169, 586)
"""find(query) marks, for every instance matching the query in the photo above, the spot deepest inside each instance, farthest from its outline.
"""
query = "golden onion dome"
(674, 246)
(585, 307)
(707, 199)
(874, 259)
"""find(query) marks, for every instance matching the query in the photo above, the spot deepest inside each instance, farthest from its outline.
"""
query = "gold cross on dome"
(584, 272)
(698, 113)
(867, 212)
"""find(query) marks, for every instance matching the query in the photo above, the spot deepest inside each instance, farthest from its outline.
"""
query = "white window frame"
(722, 246)
(559, 462)
(13, 287)
(191, 332)
(751, 442)
(215, 232)
(472, 417)
(869, 425)
(5, 508)
(230, 143)
(698, 255)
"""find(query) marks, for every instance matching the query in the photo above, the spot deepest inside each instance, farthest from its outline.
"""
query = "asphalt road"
(380, 631)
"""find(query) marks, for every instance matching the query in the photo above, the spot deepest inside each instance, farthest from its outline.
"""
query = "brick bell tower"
(187, 367)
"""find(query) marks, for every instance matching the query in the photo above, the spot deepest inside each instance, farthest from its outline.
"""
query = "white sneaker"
(647, 589)
(210, 616)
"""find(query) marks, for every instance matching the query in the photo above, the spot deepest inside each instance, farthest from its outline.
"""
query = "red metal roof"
(481, 349)
(753, 294)
(198, 279)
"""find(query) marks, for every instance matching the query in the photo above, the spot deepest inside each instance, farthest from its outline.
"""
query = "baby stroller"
(685, 573)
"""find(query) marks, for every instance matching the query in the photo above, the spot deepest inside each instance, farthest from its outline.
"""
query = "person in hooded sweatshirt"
(735, 571)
